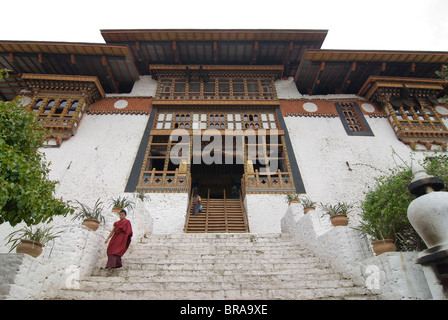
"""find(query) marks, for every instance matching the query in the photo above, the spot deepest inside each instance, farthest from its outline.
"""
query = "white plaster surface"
(265, 211)
(286, 89)
(145, 86)
(391, 275)
(168, 211)
(337, 167)
(96, 163)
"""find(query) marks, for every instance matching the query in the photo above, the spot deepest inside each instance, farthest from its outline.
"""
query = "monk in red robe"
(121, 238)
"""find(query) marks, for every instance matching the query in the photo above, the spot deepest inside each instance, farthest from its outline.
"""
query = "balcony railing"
(261, 182)
(164, 181)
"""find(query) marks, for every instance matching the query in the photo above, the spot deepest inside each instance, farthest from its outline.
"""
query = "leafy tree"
(26, 193)
(384, 208)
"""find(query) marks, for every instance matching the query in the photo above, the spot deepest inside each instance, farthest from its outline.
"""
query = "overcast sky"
(372, 25)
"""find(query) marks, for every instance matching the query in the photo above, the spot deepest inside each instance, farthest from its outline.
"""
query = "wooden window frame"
(265, 89)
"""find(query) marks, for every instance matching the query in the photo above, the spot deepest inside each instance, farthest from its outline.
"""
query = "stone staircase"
(209, 266)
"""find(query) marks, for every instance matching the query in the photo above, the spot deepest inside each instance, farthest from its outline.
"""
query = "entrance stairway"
(218, 215)
(217, 266)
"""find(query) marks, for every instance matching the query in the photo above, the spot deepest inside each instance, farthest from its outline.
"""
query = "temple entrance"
(219, 186)
(217, 180)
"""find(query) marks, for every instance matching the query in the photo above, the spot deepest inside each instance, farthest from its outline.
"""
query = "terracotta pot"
(30, 247)
(293, 201)
(385, 245)
(92, 224)
(339, 220)
(116, 209)
(306, 209)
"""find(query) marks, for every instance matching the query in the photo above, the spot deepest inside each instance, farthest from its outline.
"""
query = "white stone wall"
(97, 161)
(286, 89)
(265, 211)
(337, 167)
(393, 275)
(145, 86)
(168, 211)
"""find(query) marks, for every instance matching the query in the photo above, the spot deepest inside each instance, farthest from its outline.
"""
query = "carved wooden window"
(169, 120)
(36, 106)
(216, 89)
(49, 108)
(417, 117)
(353, 119)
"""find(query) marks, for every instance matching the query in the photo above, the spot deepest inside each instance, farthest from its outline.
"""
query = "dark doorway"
(217, 178)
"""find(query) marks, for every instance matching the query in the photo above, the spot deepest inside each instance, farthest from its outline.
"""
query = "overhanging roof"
(130, 53)
(345, 71)
(217, 47)
(112, 64)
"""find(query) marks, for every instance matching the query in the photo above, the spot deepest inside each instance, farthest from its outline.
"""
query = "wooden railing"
(278, 181)
(190, 205)
(164, 181)
(243, 208)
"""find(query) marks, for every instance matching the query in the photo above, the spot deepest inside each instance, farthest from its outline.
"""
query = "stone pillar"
(428, 215)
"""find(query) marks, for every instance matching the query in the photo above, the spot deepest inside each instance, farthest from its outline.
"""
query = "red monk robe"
(121, 239)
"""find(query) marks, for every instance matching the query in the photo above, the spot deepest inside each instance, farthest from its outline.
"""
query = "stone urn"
(428, 214)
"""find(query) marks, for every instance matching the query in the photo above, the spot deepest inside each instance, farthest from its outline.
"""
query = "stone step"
(217, 266)
(229, 294)
(198, 272)
(134, 275)
(167, 284)
(235, 266)
(180, 257)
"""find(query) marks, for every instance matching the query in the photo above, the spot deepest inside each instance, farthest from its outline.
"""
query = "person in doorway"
(196, 202)
(120, 239)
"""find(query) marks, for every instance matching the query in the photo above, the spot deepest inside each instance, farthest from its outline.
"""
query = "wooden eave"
(154, 35)
(112, 64)
(217, 47)
(34, 47)
(346, 71)
(45, 79)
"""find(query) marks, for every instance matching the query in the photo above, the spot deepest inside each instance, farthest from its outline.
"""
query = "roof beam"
(13, 63)
(253, 58)
(317, 78)
(175, 52)
(109, 74)
(347, 79)
(215, 52)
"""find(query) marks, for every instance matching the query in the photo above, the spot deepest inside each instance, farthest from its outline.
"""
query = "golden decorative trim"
(97, 112)
(313, 115)
(216, 102)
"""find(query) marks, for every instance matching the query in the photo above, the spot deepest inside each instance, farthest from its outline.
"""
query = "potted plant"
(384, 210)
(338, 213)
(92, 217)
(307, 204)
(121, 203)
(142, 196)
(381, 231)
(292, 198)
(29, 241)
